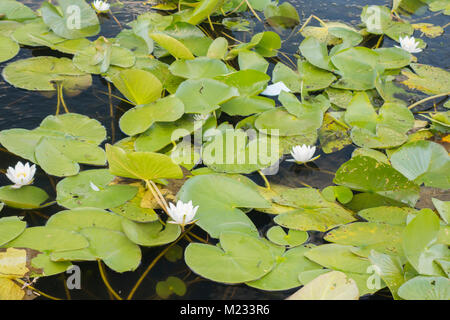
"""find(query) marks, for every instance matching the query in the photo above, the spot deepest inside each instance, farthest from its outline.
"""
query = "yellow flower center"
(22, 174)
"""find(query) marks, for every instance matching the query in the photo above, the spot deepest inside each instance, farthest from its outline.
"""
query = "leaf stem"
(152, 264)
(427, 99)
(105, 280)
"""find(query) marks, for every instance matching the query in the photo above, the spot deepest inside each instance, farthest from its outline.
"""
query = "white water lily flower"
(182, 213)
(302, 154)
(101, 6)
(94, 187)
(21, 175)
(409, 44)
(202, 116)
(275, 89)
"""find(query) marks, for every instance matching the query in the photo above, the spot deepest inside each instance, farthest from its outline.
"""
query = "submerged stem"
(152, 264)
(427, 99)
(265, 179)
(105, 280)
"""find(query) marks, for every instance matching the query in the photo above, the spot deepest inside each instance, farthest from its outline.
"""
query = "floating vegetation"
(207, 115)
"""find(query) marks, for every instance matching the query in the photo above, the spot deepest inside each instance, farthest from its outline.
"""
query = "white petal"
(275, 89)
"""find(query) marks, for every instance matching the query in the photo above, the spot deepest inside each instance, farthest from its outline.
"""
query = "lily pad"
(140, 118)
(8, 48)
(14, 10)
(241, 258)
(334, 285)
(118, 253)
(42, 73)
(11, 228)
(425, 288)
(138, 86)
(72, 19)
(423, 162)
(314, 213)
(293, 238)
(338, 257)
(219, 198)
(77, 191)
(201, 67)
(150, 234)
(172, 285)
(98, 56)
(384, 238)
(368, 175)
(141, 165)
(80, 218)
(418, 239)
(284, 275)
(204, 95)
(49, 239)
(358, 67)
(27, 197)
(428, 79)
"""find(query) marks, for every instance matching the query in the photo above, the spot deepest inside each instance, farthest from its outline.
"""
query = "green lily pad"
(284, 15)
(293, 238)
(284, 275)
(358, 67)
(49, 267)
(443, 207)
(342, 194)
(26, 197)
(201, 67)
(423, 162)
(151, 234)
(80, 218)
(8, 48)
(419, 238)
(14, 10)
(385, 214)
(204, 95)
(428, 79)
(41, 73)
(172, 285)
(161, 134)
(140, 118)
(172, 45)
(73, 19)
(218, 48)
(118, 253)
(390, 269)
(49, 239)
(334, 285)
(307, 78)
(138, 86)
(368, 175)
(98, 56)
(250, 60)
(11, 228)
(241, 258)
(316, 52)
(338, 257)
(141, 165)
(385, 130)
(314, 213)
(333, 136)
(384, 238)
(288, 124)
(77, 191)
(232, 152)
(219, 198)
(393, 58)
(425, 288)
(133, 210)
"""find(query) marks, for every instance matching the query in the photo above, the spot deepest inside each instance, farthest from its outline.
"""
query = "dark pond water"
(26, 109)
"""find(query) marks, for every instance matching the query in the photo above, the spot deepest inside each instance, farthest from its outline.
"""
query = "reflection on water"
(26, 109)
